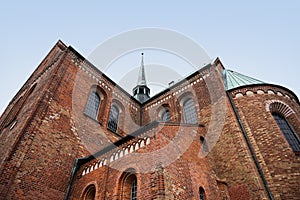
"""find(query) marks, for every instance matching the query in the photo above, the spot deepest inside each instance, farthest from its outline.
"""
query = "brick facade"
(45, 129)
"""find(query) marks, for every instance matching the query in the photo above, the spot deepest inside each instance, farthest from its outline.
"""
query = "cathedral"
(72, 133)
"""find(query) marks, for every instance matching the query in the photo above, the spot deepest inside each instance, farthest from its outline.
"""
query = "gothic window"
(202, 193)
(93, 105)
(113, 118)
(165, 117)
(190, 115)
(90, 193)
(287, 132)
(129, 187)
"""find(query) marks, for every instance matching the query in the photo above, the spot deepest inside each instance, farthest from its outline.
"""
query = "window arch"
(113, 118)
(277, 106)
(287, 131)
(189, 111)
(90, 193)
(202, 193)
(93, 104)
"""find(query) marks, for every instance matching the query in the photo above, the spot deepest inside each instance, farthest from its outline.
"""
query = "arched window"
(129, 187)
(287, 131)
(113, 118)
(90, 193)
(190, 115)
(93, 104)
(165, 117)
(202, 193)
(204, 144)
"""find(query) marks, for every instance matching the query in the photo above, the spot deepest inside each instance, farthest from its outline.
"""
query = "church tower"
(141, 92)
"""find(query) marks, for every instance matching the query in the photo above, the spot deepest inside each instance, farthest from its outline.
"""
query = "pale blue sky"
(256, 38)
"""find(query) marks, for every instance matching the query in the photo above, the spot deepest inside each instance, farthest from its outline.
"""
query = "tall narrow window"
(133, 190)
(204, 144)
(129, 186)
(92, 106)
(165, 117)
(287, 132)
(202, 193)
(190, 115)
(113, 118)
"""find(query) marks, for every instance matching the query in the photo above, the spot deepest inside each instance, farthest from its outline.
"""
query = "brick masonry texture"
(45, 129)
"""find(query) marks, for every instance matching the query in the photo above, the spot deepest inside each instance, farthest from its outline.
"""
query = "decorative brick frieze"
(264, 89)
(103, 83)
(117, 153)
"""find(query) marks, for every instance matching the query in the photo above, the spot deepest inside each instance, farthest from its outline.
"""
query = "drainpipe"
(250, 147)
(76, 165)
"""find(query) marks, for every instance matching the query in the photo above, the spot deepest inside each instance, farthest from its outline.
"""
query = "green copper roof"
(234, 79)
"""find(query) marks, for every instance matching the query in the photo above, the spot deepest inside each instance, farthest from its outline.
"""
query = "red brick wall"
(278, 161)
(52, 130)
(19, 154)
(179, 179)
(232, 162)
(39, 152)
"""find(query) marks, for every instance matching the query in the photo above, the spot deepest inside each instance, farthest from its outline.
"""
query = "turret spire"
(141, 92)
(142, 77)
